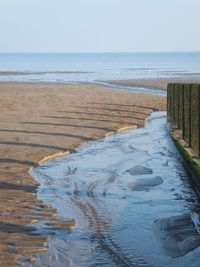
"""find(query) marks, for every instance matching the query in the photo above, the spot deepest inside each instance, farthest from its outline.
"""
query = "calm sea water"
(97, 67)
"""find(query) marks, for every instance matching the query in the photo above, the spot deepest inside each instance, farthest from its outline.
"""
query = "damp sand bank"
(154, 84)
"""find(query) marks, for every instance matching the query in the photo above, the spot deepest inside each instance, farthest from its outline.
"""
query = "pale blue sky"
(99, 25)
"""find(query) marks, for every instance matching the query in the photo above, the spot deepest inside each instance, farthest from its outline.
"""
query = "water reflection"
(122, 201)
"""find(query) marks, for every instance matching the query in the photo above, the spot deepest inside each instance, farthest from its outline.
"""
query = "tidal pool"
(125, 200)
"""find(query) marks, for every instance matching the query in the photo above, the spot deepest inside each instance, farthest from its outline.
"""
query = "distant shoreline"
(152, 84)
(99, 68)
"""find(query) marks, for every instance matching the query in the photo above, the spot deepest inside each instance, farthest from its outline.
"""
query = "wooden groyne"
(183, 111)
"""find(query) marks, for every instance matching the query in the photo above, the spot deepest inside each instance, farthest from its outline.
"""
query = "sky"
(99, 25)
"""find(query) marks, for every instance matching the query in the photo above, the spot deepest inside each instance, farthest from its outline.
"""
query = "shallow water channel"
(126, 201)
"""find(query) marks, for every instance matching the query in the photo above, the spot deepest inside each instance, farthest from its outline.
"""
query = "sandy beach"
(38, 120)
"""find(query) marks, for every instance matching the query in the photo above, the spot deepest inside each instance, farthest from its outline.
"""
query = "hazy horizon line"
(99, 52)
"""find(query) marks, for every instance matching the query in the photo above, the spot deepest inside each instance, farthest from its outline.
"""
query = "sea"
(97, 67)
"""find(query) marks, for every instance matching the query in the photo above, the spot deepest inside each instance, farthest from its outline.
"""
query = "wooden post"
(190, 117)
(180, 106)
(178, 103)
(187, 114)
(168, 101)
(199, 118)
(183, 112)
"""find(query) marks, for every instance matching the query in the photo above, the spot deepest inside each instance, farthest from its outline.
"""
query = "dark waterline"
(131, 199)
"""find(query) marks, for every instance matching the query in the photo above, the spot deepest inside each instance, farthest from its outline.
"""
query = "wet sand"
(160, 84)
(37, 120)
